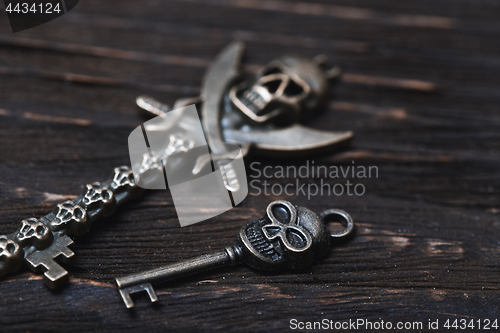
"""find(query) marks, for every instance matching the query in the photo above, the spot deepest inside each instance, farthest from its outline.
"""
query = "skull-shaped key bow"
(288, 235)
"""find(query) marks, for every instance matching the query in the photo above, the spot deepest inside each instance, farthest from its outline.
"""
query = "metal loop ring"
(345, 218)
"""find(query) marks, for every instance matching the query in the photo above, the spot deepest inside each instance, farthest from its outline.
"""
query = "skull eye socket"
(11, 248)
(131, 178)
(272, 86)
(106, 195)
(296, 238)
(79, 214)
(293, 89)
(40, 230)
(281, 213)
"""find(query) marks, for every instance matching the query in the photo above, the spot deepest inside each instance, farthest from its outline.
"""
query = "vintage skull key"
(287, 236)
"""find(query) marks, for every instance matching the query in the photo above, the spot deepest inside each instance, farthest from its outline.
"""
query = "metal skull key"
(287, 236)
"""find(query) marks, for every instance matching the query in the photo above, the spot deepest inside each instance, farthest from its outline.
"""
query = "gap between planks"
(112, 53)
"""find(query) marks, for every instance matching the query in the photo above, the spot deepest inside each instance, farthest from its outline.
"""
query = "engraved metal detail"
(98, 200)
(96, 194)
(70, 217)
(123, 178)
(260, 243)
(33, 232)
(178, 142)
(285, 227)
(11, 255)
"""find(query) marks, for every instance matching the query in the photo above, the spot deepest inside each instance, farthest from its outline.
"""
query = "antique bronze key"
(287, 236)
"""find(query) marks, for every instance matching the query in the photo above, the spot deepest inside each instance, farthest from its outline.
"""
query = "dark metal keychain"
(287, 236)
(263, 114)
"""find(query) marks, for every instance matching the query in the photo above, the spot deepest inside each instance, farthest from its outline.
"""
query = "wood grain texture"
(420, 91)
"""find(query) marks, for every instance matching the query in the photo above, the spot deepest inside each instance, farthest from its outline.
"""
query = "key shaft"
(142, 281)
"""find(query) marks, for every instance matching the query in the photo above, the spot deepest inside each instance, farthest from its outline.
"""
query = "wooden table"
(420, 90)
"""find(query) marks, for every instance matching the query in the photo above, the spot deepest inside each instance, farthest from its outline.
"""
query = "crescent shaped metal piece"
(295, 140)
(224, 72)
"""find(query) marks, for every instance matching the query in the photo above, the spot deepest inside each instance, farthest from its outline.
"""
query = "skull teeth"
(253, 101)
(260, 243)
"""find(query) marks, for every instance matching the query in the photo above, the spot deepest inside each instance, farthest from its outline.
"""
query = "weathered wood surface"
(420, 90)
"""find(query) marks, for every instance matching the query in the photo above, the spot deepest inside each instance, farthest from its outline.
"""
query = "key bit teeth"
(54, 276)
(126, 298)
(125, 292)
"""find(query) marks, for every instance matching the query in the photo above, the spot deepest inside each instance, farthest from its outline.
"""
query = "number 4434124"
(40, 8)
(479, 324)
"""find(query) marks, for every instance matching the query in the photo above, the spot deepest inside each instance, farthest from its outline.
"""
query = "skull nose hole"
(281, 213)
(272, 86)
(296, 239)
(272, 231)
(293, 89)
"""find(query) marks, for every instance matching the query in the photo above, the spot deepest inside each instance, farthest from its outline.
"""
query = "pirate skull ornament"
(287, 90)
(288, 235)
